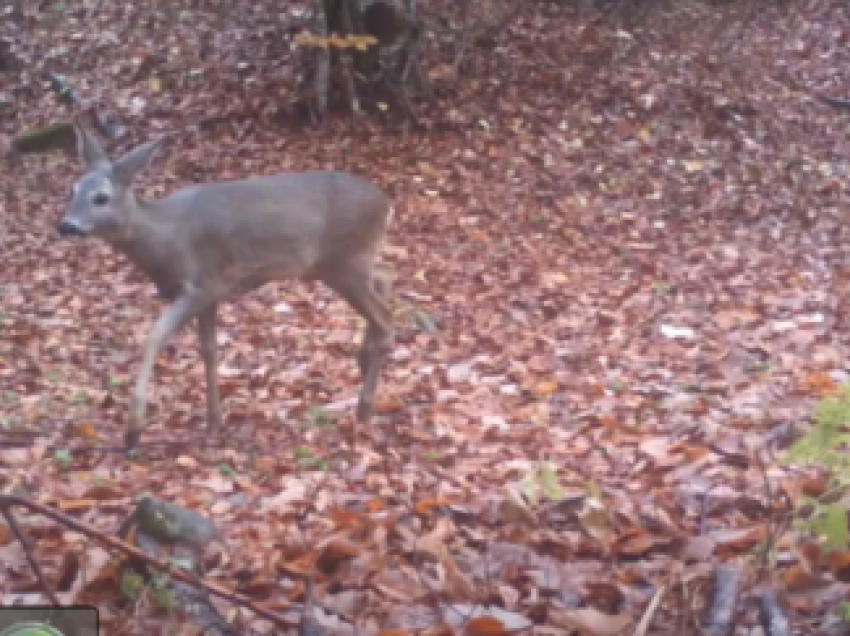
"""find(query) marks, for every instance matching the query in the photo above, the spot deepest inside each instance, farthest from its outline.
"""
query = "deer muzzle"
(69, 228)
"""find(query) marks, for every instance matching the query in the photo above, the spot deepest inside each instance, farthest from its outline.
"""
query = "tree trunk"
(323, 60)
(381, 71)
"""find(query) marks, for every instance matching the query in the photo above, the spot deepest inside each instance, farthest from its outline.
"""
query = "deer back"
(228, 237)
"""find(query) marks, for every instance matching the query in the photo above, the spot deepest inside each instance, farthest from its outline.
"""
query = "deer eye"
(101, 198)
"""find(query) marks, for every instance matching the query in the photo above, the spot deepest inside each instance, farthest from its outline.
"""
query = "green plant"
(302, 452)
(541, 482)
(307, 460)
(826, 446)
(319, 417)
(313, 463)
(64, 458)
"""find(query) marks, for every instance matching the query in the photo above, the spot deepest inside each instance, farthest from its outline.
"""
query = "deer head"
(102, 201)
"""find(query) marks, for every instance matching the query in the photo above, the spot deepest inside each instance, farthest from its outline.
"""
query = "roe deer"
(206, 244)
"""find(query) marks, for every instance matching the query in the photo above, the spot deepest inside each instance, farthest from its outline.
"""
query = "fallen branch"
(836, 102)
(61, 135)
(104, 125)
(774, 622)
(719, 618)
(58, 136)
(7, 502)
(28, 551)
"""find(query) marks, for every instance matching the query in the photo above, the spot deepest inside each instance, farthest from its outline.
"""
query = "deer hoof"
(131, 439)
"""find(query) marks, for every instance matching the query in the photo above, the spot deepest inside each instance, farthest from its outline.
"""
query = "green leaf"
(529, 486)
(424, 321)
(549, 483)
(319, 417)
(163, 597)
(313, 463)
(63, 457)
(302, 452)
(831, 416)
(131, 586)
(183, 564)
(832, 525)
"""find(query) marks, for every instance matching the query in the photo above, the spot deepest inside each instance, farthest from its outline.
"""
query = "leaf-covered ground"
(620, 260)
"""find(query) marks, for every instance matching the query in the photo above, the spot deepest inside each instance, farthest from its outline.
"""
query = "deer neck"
(149, 240)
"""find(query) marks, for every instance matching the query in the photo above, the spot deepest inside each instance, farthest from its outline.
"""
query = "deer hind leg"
(382, 286)
(357, 284)
(208, 346)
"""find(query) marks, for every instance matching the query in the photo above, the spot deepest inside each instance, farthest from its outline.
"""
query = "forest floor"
(620, 261)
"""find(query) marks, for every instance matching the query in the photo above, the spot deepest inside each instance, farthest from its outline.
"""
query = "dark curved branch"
(835, 101)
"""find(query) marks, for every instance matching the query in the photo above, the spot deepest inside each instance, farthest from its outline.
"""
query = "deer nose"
(69, 228)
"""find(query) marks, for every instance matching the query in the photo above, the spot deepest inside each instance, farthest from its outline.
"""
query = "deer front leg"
(178, 314)
(356, 285)
(208, 346)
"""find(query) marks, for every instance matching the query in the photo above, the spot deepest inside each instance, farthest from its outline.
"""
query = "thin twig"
(28, 552)
(646, 619)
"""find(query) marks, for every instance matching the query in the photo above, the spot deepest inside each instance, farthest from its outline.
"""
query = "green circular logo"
(31, 629)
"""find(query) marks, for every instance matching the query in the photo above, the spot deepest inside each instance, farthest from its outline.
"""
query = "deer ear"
(90, 150)
(127, 167)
